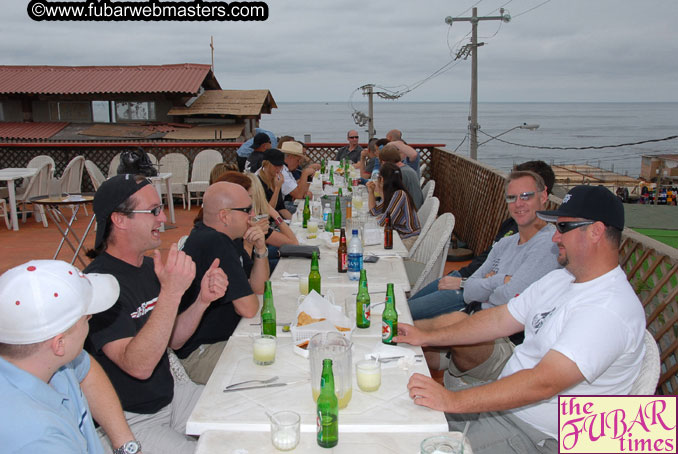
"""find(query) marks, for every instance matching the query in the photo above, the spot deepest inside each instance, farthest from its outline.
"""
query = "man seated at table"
(245, 150)
(51, 388)
(226, 223)
(437, 297)
(410, 179)
(369, 158)
(352, 150)
(130, 339)
(260, 144)
(584, 329)
(295, 188)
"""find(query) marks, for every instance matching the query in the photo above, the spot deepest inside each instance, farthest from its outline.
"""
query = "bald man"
(352, 149)
(227, 223)
(408, 155)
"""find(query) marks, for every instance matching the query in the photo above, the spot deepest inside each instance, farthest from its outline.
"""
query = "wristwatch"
(462, 283)
(278, 221)
(131, 447)
(262, 255)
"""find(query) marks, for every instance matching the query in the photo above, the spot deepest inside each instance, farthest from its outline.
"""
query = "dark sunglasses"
(246, 210)
(525, 196)
(566, 226)
(353, 137)
(155, 211)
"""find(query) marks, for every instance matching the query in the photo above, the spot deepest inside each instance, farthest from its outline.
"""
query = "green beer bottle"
(329, 225)
(362, 302)
(389, 318)
(268, 311)
(331, 175)
(337, 211)
(307, 213)
(322, 166)
(328, 409)
(314, 275)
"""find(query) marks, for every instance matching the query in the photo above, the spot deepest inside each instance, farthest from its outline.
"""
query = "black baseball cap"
(109, 196)
(595, 203)
(259, 139)
(274, 156)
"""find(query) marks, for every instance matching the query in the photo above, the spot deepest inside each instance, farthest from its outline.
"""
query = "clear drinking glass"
(285, 430)
(368, 375)
(440, 445)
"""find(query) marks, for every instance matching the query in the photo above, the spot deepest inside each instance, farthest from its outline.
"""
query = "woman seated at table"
(396, 203)
(272, 179)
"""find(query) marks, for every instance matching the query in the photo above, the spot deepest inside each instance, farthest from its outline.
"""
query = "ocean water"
(560, 125)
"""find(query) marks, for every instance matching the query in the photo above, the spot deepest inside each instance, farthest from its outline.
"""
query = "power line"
(532, 9)
(590, 147)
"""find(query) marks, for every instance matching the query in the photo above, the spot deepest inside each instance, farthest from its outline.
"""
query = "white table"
(389, 409)
(219, 442)
(399, 247)
(285, 297)
(157, 182)
(10, 175)
(387, 269)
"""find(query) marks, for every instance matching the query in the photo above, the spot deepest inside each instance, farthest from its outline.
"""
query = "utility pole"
(474, 19)
(368, 90)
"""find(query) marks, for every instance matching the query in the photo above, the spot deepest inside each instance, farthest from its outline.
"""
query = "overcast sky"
(317, 50)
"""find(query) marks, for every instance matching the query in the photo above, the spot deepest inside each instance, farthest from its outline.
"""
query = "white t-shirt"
(289, 183)
(598, 324)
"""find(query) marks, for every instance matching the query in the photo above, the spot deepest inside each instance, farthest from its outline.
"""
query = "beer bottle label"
(389, 329)
(366, 312)
(344, 262)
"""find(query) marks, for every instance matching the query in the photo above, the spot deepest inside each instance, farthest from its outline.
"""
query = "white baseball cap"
(43, 298)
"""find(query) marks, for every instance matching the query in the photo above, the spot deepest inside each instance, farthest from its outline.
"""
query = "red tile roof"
(55, 80)
(18, 130)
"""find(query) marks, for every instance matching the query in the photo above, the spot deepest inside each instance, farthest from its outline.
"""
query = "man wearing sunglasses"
(584, 328)
(352, 150)
(227, 222)
(130, 339)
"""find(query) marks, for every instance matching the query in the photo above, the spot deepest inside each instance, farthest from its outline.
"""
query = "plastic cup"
(312, 228)
(368, 375)
(263, 347)
(285, 430)
(303, 284)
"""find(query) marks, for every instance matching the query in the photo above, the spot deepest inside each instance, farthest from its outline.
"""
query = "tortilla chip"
(341, 328)
(304, 319)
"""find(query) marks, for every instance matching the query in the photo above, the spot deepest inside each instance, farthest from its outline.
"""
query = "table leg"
(170, 200)
(12, 204)
(84, 235)
(158, 188)
(57, 216)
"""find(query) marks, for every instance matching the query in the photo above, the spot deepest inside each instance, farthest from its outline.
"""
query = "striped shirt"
(403, 215)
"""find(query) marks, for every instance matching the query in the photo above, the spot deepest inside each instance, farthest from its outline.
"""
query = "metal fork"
(263, 382)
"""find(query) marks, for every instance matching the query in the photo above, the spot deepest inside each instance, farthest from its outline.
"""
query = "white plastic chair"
(36, 163)
(428, 189)
(113, 166)
(153, 159)
(422, 169)
(177, 164)
(95, 174)
(178, 370)
(3, 207)
(428, 261)
(71, 180)
(427, 214)
(37, 185)
(200, 175)
(646, 382)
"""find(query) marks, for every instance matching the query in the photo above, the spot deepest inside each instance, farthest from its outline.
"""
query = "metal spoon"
(268, 380)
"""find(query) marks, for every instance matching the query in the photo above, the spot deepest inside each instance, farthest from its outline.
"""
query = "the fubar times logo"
(617, 424)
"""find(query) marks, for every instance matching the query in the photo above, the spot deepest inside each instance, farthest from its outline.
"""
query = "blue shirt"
(246, 148)
(39, 418)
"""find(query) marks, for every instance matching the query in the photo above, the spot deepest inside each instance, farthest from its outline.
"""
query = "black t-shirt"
(280, 204)
(204, 244)
(139, 289)
(255, 159)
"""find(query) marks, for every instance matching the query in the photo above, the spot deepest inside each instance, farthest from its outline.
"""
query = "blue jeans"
(430, 302)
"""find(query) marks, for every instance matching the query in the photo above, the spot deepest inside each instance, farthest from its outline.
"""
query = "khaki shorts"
(485, 372)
